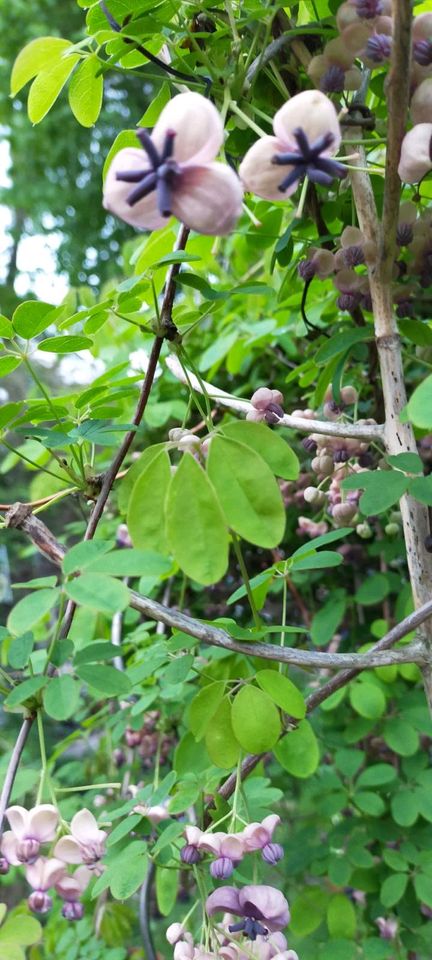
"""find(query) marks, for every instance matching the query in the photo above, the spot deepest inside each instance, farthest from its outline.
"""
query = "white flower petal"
(260, 175)
(18, 820)
(44, 873)
(84, 826)
(68, 850)
(8, 848)
(198, 127)
(415, 159)
(314, 113)
(208, 198)
(421, 103)
(143, 215)
(43, 821)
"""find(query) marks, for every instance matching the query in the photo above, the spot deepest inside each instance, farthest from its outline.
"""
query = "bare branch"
(13, 767)
(328, 429)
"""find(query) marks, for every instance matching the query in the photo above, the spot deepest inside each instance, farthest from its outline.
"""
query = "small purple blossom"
(309, 160)
(73, 910)
(39, 902)
(404, 235)
(272, 853)
(262, 908)
(222, 868)
(422, 52)
(368, 9)
(333, 80)
(190, 854)
(378, 47)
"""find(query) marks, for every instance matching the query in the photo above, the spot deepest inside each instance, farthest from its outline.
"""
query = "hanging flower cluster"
(228, 849)
(35, 828)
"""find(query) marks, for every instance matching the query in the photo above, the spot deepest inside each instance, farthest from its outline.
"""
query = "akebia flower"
(86, 844)
(42, 875)
(172, 172)
(263, 909)
(29, 829)
(258, 836)
(227, 848)
(70, 887)
(266, 405)
(307, 135)
(416, 153)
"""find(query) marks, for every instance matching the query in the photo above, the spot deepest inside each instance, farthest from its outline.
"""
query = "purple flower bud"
(27, 851)
(222, 868)
(378, 48)
(341, 455)
(404, 235)
(73, 910)
(353, 256)
(272, 853)
(274, 413)
(368, 9)
(306, 269)
(4, 866)
(366, 459)
(422, 52)
(347, 301)
(39, 901)
(309, 444)
(190, 854)
(333, 80)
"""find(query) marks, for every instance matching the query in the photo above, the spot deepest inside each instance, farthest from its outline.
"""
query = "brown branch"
(20, 516)
(13, 765)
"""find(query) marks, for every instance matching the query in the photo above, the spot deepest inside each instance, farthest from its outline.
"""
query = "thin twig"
(144, 913)
(13, 765)
(370, 431)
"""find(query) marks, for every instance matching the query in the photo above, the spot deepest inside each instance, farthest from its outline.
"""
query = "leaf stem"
(246, 581)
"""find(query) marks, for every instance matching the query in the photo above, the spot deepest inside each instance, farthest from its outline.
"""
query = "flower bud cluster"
(148, 739)
(266, 405)
(22, 844)
(228, 849)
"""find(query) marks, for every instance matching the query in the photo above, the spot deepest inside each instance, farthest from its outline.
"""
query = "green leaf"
(127, 483)
(131, 563)
(203, 708)
(8, 365)
(127, 138)
(31, 317)
(317, 561)
(420, 405)
(28, 611)
(341, 917)
(48, 85)
(255, 719)
(21, 929)
(167, 882)
(268, 444)
(326, 621)
(61, 697)
(331, 537)
(192, 506)
(421, 489)
(86, 91)
(106, 680)
(283, 692)
(423, 888)
(19, 651)
(6, 329)
(247, 491)
(82, 554)
(408, 462)
(298, 751)
(367, 700)
(222, 746)
(404, 807)
(157, 104)
(370, 803)
(341, 343)
(127, 872)
(416, 331)
(33, 59)
(68, 344)
(308, 910)
(382, 489)
(377, 775)
(146, 510)
(401, 737)
(373, 590)
(99, 592)
(96, 650)
(393, 889)
(25, 690)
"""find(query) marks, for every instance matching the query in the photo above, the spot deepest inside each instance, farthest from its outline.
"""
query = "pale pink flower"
(41, 875)
(176, 932)
(307, 135)
(86, 843)
(29, 829)
(175, 174)
(416, 153)
(154, 814)
(387, 928)
(258, 836)
(70, 886)
(263, 908)
(266, 405)
(310, 528)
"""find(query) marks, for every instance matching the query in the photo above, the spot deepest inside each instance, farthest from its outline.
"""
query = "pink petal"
(260, 175)
(44, 873)
(143, 215)
(271, 822)
(43, 821)
(69, 850)
(232, 847)
(415, 160)
(208, 198)
(8, 847)
(198, 127)
(351, 236)
(84, 826)
(269, 902)
(255, 836)
(18, 819)
(193, 835)
(211, 842)
(421, 103)
(312, 111)
(225, 898)
(422, 26)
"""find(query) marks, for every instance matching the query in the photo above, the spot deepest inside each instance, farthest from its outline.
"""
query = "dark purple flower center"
(368, 9)
(404, 234)
(308, 161)
(162, 175)
(422, 52)
(333, 80)
(378, 47)
(353, 255)
(250, 927)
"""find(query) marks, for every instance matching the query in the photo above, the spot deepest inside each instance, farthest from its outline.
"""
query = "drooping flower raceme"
(173, 172)
(262, 908)
(259, 836)
(41, 875)
(70, 887)
(307, 135)
(29, 829)
(86, 844)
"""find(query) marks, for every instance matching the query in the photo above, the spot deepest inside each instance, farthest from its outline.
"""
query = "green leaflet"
(196, 528)
(146, 511)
